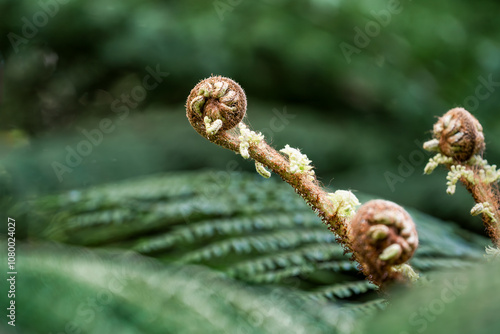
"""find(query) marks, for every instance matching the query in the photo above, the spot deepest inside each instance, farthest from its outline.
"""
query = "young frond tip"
(220, 99)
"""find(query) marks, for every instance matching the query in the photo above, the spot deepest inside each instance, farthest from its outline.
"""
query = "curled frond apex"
(218, 98)
(344, 203)
(460, 135)
(299, 163)
(382, 235)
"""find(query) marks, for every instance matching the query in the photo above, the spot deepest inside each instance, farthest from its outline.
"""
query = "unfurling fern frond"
(343, 290)
(270, 242)
(239, 225)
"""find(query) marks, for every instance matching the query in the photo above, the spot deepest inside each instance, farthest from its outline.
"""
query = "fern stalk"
(216, 108)
(459, 141)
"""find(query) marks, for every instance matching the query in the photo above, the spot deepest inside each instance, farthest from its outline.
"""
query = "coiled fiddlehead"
(459, 141)
(216, 104)
(383, 236)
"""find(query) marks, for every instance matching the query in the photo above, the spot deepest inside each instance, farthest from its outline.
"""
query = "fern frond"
(262, 244)
(338, 266)
(368, 308)
(255, 230)
(126, 293)
(343, 290)
(224, 227)
(445, 238)
(429, 263)
(303, 270)
(296, 257)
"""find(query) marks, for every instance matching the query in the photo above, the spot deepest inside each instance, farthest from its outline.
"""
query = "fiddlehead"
(383, 235)
(218, 104)
(215, 104)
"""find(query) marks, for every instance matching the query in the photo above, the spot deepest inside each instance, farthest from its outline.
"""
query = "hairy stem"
(309, 189)
(459, 142)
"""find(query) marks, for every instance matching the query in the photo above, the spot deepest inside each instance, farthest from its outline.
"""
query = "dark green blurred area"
(358, 117)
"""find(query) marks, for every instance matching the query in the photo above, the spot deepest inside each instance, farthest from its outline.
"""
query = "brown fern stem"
(486, 193)
(310, 190)
(459, 141)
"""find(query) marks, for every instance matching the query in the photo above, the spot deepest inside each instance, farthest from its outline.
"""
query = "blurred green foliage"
(456, 302)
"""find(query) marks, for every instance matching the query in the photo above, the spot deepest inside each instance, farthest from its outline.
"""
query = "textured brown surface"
(400, 230)
(217, 105)
(448, 130)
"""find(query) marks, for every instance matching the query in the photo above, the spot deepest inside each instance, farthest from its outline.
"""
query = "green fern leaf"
(255, 230)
